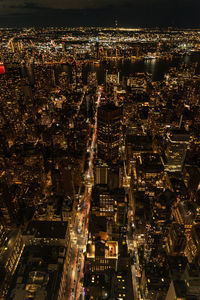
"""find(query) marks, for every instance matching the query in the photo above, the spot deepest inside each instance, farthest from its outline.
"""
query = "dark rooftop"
(97, 224)
(180, 288)
(47, 229)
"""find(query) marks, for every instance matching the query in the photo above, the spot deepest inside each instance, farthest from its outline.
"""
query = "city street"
(80, 230)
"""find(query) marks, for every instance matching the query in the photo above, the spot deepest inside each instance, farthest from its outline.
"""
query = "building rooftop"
(139, 142)
(38, 274)
(180, 288)
(179, 135)
(177, 264)
(97, 224)
(108, 106)
(151, 162)
(47, 229)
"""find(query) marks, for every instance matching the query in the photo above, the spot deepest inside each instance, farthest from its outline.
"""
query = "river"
(157, 67)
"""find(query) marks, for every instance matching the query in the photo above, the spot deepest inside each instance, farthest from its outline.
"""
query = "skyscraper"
(176, 149)
(108, 131)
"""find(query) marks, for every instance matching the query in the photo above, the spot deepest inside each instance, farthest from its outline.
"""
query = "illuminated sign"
(2, 68)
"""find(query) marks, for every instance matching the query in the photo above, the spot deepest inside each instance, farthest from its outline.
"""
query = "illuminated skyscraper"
(175, 153)
(108, 131)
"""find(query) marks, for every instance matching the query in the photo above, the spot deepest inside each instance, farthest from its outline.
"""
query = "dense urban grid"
(99, 164)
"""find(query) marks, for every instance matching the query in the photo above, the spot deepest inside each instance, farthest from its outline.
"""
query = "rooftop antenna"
(180, 122)
(116, 23)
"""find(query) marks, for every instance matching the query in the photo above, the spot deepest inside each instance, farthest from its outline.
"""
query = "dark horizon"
(161, 28)
(145, 13)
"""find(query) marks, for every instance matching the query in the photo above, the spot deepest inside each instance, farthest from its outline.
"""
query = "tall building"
(177, 290)
(149, 170)
(176, 239)
(103, 202)
(101, 173)
(11, 248)
(108, 131)
(92, 79)
(97, 50)
(112, 79)
(193, 243)
(110, 174)
(41, 274)
(8, 207)
(177, 143)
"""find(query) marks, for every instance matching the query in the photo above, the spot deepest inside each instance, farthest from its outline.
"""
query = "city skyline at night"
(99, 156)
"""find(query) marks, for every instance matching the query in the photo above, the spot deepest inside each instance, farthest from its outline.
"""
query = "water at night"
(158, 67)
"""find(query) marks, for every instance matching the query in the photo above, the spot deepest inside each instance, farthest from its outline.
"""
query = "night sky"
(133, 13)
